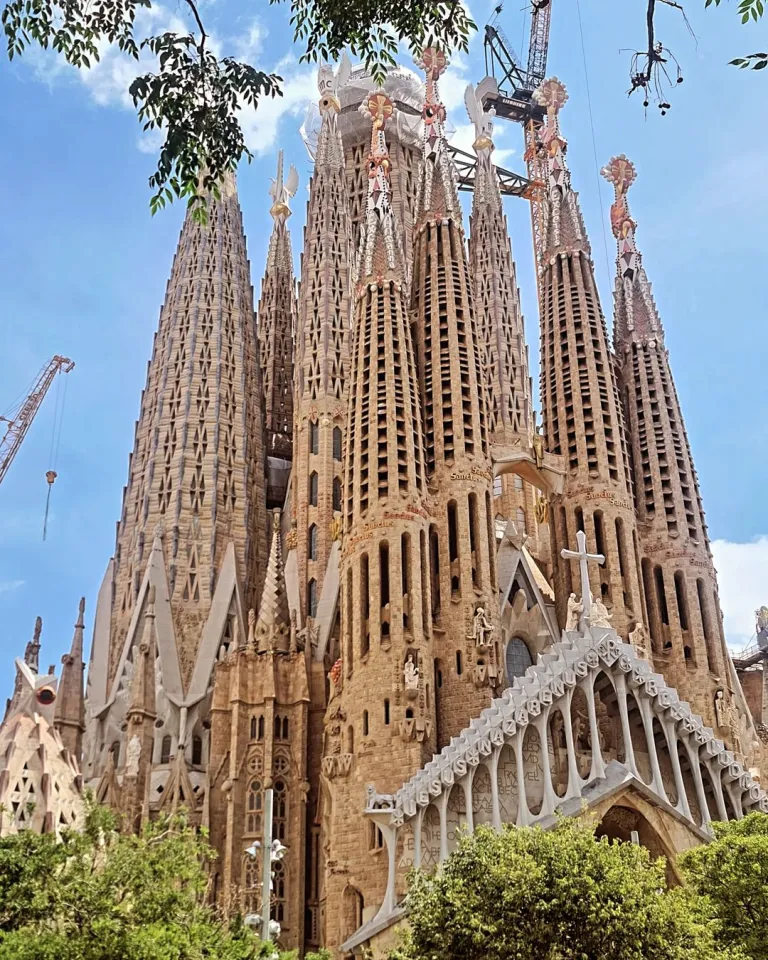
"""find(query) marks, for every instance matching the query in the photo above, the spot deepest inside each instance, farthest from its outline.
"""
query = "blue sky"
(84, 266)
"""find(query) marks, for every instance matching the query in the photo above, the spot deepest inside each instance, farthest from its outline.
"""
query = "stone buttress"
(259, 724)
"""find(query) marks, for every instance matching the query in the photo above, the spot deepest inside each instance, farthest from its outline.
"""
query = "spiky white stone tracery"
(575, 663)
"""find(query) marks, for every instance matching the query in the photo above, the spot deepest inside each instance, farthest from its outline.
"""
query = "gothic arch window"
(497, 486)
(197, 751)
(312, 598)
(255, 804)
(314, 437)
(337, 443)
(253, 728)
(312, 542)
(165, 749)
(337, 494)
(313, 483)
(517, 658)
(280, 814)
(261, 728)
(518, 482)
(278, 891)
(252, 883)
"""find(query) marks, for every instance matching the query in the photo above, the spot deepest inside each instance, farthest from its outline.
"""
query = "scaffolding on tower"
(508, 89)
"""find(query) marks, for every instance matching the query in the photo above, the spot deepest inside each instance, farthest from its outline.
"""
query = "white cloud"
(249, 44)
(742, 573)
(8, 586)
(261, 124)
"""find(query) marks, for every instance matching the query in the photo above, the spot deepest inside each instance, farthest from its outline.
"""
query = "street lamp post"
(266, 865)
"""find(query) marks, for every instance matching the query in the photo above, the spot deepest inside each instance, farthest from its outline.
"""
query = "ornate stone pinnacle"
(552, 94)
(620, 172)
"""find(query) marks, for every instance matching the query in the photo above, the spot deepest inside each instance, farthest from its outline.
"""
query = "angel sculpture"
(282, 191)
(482, 120)
(330, 82)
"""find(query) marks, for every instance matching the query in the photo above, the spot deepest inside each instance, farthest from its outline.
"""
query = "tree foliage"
(731, 874)
(194, 97)
(530, 894)
(106, 895)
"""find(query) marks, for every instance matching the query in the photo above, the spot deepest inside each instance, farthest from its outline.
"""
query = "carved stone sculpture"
(132, 756)
(482, 629)
(598, 614)
(575, 610)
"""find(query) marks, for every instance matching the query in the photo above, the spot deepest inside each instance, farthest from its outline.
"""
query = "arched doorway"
(623, 824)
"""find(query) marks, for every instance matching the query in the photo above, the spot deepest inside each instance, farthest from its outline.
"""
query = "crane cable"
(594, 143)
(58, 414)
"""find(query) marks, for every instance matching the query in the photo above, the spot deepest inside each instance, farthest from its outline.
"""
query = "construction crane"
(20, 420)
(508, 90)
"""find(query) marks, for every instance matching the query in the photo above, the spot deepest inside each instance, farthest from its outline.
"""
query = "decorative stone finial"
(481, 120)
(282, 190)
(329, 83)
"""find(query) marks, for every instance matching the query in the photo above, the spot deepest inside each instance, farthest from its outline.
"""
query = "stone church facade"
(338, 570)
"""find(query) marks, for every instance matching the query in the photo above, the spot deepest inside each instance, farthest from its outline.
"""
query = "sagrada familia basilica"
(351, 568)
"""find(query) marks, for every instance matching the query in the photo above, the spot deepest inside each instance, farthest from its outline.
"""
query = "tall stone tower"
(380, 716)
(500, 329)
(461, 534)
(193, 520)
(322, 355)
(580, 402)
(679, 580)
(276, 320)
(259, 740)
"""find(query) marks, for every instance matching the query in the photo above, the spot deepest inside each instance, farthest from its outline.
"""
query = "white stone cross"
(583, 557)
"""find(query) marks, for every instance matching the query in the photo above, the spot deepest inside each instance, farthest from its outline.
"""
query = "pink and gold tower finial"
(442, 202)
(636, 313)
(378, 108)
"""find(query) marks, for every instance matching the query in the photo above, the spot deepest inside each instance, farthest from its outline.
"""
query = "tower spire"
(635, 313)
(454, 397)
(276, 313)
(384, 595)
(322, 353)
(580, 401)
(680, 584)
(193, 524)
(500, 325)
(69, 715)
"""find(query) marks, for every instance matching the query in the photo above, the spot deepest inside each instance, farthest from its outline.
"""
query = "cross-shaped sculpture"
(583, 557)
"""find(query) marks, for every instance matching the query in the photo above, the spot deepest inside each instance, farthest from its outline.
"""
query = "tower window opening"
(365, 723)
(453, 546)
(365, 606)
(312, 598)
(336, 495)
(386, 712)
(165, 750)
(337, 443)
(312, 542)
(313, 488)
(682, 600)
(314, 437)
(459, 663)
(197, 751)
